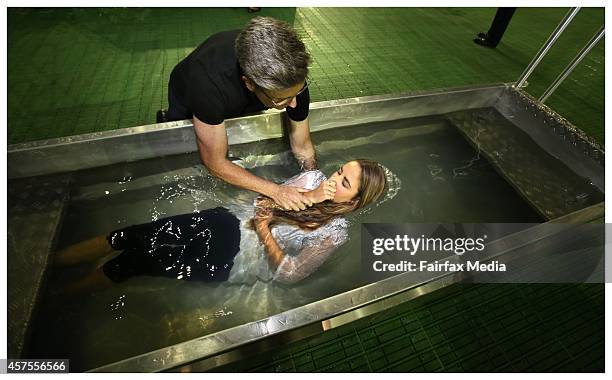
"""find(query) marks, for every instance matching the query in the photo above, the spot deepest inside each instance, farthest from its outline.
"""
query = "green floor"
(73, 71)
(474, 328)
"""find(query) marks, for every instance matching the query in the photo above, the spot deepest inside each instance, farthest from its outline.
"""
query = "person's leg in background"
(497, 29)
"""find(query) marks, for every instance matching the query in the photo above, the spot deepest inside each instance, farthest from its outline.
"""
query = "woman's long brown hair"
(372, 185)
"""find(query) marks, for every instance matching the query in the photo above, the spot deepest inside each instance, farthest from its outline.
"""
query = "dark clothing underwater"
(195, 247)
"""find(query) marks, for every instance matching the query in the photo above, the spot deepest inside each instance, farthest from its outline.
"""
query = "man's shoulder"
(215, 60)
(227, 36)
(219, 46)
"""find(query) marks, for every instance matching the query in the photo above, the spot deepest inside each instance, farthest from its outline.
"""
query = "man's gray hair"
(271, 54)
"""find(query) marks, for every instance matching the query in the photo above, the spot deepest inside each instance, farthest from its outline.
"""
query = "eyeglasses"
(285, 101)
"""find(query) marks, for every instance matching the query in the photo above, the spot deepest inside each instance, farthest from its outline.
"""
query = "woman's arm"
(315, 251)
(312, 255)
(262, 227)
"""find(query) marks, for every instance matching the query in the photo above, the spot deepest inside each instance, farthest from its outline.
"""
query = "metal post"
(572, 65)
(547, 45)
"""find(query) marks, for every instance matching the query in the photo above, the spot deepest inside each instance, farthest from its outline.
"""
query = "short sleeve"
(317, 247)
(205, 99)
(300, 112)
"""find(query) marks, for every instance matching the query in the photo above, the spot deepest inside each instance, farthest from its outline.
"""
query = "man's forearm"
(301, 144)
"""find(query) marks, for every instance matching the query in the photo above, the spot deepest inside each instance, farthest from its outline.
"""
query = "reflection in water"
(462, 170)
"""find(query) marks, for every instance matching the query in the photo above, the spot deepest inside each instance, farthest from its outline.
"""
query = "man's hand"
(308, 163)
(291, 198)
(325, 191)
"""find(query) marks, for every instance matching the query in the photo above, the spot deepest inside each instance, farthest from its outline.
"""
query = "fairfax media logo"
(436, 266)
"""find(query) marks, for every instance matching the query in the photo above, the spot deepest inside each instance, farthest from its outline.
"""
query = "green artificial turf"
(460, 328)
(79, 70)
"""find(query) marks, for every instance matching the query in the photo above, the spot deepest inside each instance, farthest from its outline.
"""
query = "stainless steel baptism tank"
(39, 177)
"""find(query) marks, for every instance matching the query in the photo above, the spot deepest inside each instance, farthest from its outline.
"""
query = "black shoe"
(484, 42)
(482, 35)
(161, 116)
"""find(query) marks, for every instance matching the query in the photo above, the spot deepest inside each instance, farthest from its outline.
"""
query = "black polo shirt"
(208, 82)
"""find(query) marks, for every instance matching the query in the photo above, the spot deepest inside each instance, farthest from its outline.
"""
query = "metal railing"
(572, 65)
(546, 47)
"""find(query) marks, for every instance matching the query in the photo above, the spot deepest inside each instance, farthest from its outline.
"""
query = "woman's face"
(347, 178)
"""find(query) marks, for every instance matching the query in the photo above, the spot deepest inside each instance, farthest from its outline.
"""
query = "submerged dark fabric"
(192, 247)
(208, 84)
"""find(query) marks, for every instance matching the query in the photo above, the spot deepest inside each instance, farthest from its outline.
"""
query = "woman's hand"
(325, 191)
(263, 216)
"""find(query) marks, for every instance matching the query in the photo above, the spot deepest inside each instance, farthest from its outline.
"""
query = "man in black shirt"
(240, 72)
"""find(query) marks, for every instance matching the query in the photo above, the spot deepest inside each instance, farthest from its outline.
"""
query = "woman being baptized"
(214, 245)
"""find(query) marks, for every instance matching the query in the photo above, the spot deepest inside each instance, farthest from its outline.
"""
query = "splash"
(117, 306)
(394, 184)
(224, 312)
(200, 190)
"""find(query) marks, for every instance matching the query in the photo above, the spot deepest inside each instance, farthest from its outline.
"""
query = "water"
(443, 179)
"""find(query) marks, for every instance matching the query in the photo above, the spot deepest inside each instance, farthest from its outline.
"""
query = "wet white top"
(305, 251)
